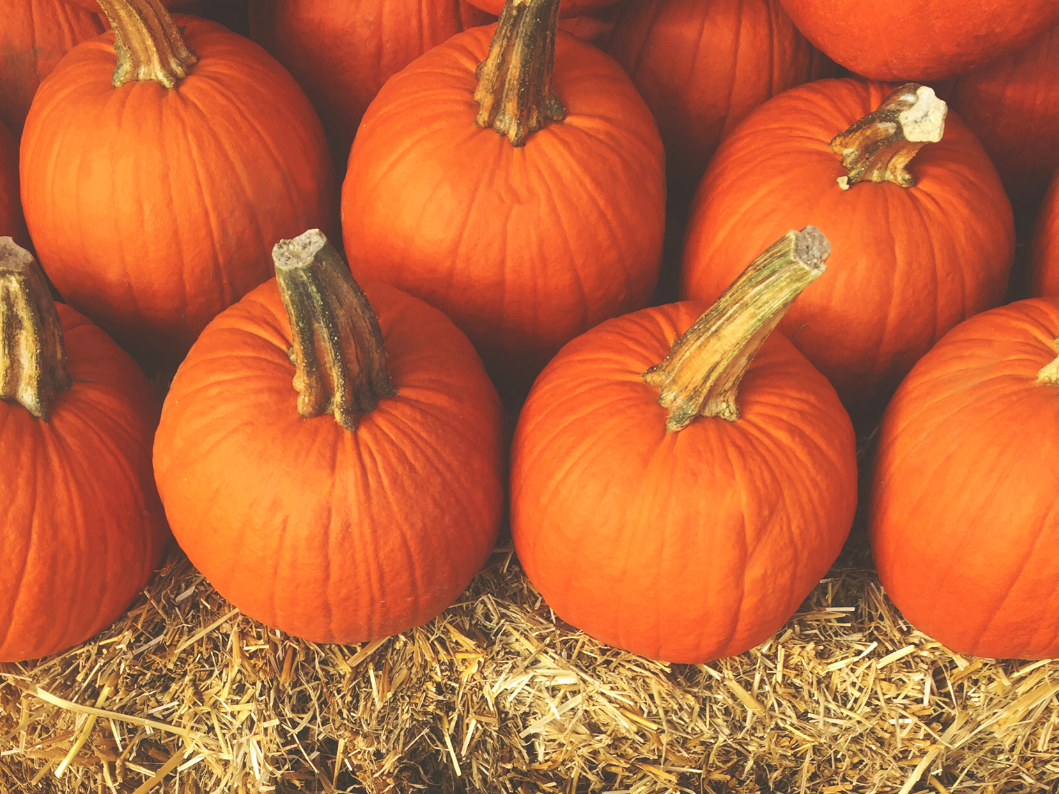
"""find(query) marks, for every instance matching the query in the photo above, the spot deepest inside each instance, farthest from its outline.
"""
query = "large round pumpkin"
(525, 246)
(913, 254)
(701, 67)
(1012, 105)
(691, 529)
(34, 36)
(370, 515)
(342, 51)
(920, 39)
(175, 219)
(83, 528)
(962, 520)
(12, 223)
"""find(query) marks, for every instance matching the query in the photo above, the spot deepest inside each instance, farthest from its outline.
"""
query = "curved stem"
(701, 374)
(880, 146)
(148, 43)
(338, 347)
(1049, 373)
(32, 356)
(514, 93)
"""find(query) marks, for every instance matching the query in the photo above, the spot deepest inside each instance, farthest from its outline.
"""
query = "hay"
(186, 694)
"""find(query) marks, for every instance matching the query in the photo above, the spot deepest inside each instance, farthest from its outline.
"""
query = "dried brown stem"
(338, 347)
(879, 147)
(32, 355)
(149, 45)
(514, 93)
(701, 374)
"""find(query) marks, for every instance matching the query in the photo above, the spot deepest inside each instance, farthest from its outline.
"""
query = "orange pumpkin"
(920, 39)
(371, 517)
(962, 520)
(1044, 246)
(341, 52)
(12, 223)
(523, 246)
(83, 527)
(1012, 105)
(568, 8)
(915, 252)
(176, 217)
(34, 36)
(702, 67)
(683, 510)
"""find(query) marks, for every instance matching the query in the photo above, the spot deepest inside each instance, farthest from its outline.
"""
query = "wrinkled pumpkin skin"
(329, 534)
(34, 36)
(12, 224)
(83, 526)
(702, 67)
(907, 264)
(342, 51)
(684, 546)
(920, 40)
(178, 215)
(524, 248)
(962, 519)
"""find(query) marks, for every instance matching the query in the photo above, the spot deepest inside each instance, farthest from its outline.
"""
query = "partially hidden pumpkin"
(332, 466)
(34, 36)
(83, 528)
(524, 246)
(1012, 105)
(702, 67)
(1044, 245)
(918, 244)
(567, 8)
(962, 515)
(920, 39)
(175, 219)
(679, 483)
(12, 224)
(341, 52)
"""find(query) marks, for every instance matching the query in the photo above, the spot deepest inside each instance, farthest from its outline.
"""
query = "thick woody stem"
(338, 347)
(514, 93)
(879, 147)
(701, 374)
(1049, 373)
(32, 356)
(148, 43)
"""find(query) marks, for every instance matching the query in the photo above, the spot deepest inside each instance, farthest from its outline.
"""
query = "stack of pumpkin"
(333, 459)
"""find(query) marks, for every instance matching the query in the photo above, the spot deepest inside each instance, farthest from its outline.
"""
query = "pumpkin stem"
(148, 43)
(32, 355)
(880, 146)
(514, 93)
(701, 374)
(338, 348)
(1049, 373)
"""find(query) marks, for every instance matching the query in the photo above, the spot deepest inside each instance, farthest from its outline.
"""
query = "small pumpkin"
(332, 466)
(34, 36)
(679, 485)
(524, 246)
(920, 39)
(12, 224)
(962, 514)
(1044, 245)
(342, 51)
(176, 217)
(702, 67)
(83, 527)
(1012, 105)
(916, 248)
